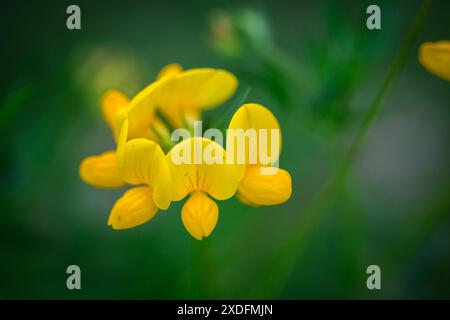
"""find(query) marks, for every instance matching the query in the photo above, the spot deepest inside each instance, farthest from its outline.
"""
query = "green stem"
(281, 266)
(205, 271)
(394, 71)
(418, 229)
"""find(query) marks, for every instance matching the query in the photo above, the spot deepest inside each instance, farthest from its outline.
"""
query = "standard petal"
(257, 189)
(193, 169)
(141, 112)
(188, 92)
(134, 208)
(143, 161)
(252, 128)
(112, 102)
(199, 215)
(200, 88)
(101, 171)
(179, 98)
(435, 57)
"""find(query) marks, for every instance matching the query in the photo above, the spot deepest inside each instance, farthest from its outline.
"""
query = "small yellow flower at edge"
(435, 57)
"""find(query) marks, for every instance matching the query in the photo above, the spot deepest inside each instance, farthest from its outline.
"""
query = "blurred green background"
(314, 64)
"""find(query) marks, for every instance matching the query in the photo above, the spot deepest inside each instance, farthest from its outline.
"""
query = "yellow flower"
(258, 187)
(202, 179)
(140, 161)
(435, 57)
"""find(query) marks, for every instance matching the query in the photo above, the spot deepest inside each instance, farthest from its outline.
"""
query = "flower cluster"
(141, 128)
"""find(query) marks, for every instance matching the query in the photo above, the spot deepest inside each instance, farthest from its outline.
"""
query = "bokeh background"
(314, 64)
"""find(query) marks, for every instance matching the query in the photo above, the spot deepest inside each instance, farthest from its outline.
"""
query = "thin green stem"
(282, 264)
(205, 271)
(379, 102)
(418, 229)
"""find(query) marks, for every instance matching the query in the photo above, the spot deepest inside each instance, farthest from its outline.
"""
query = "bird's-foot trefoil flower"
(199, 170)
(140, 162)
(139, 129)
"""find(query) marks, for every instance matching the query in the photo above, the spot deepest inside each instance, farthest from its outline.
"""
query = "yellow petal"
(435, 57)
(169, 70)
(155, 130)
(143, 161)
(201, 88)
(112, 102)
(178, 97)
(101, 171)
(192, 90)
(266, 190)
(141, 112)
(121, 117)
(199, 215)
(134, 208)
(261, 120)
(192, 169)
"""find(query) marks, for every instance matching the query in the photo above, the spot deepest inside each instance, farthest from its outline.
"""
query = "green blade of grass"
(282, 264)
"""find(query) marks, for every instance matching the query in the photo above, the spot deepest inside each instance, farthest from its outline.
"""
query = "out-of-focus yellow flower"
(202, 180)
(112, 102)
(435, 57)
(257, 188)
(137, 128)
